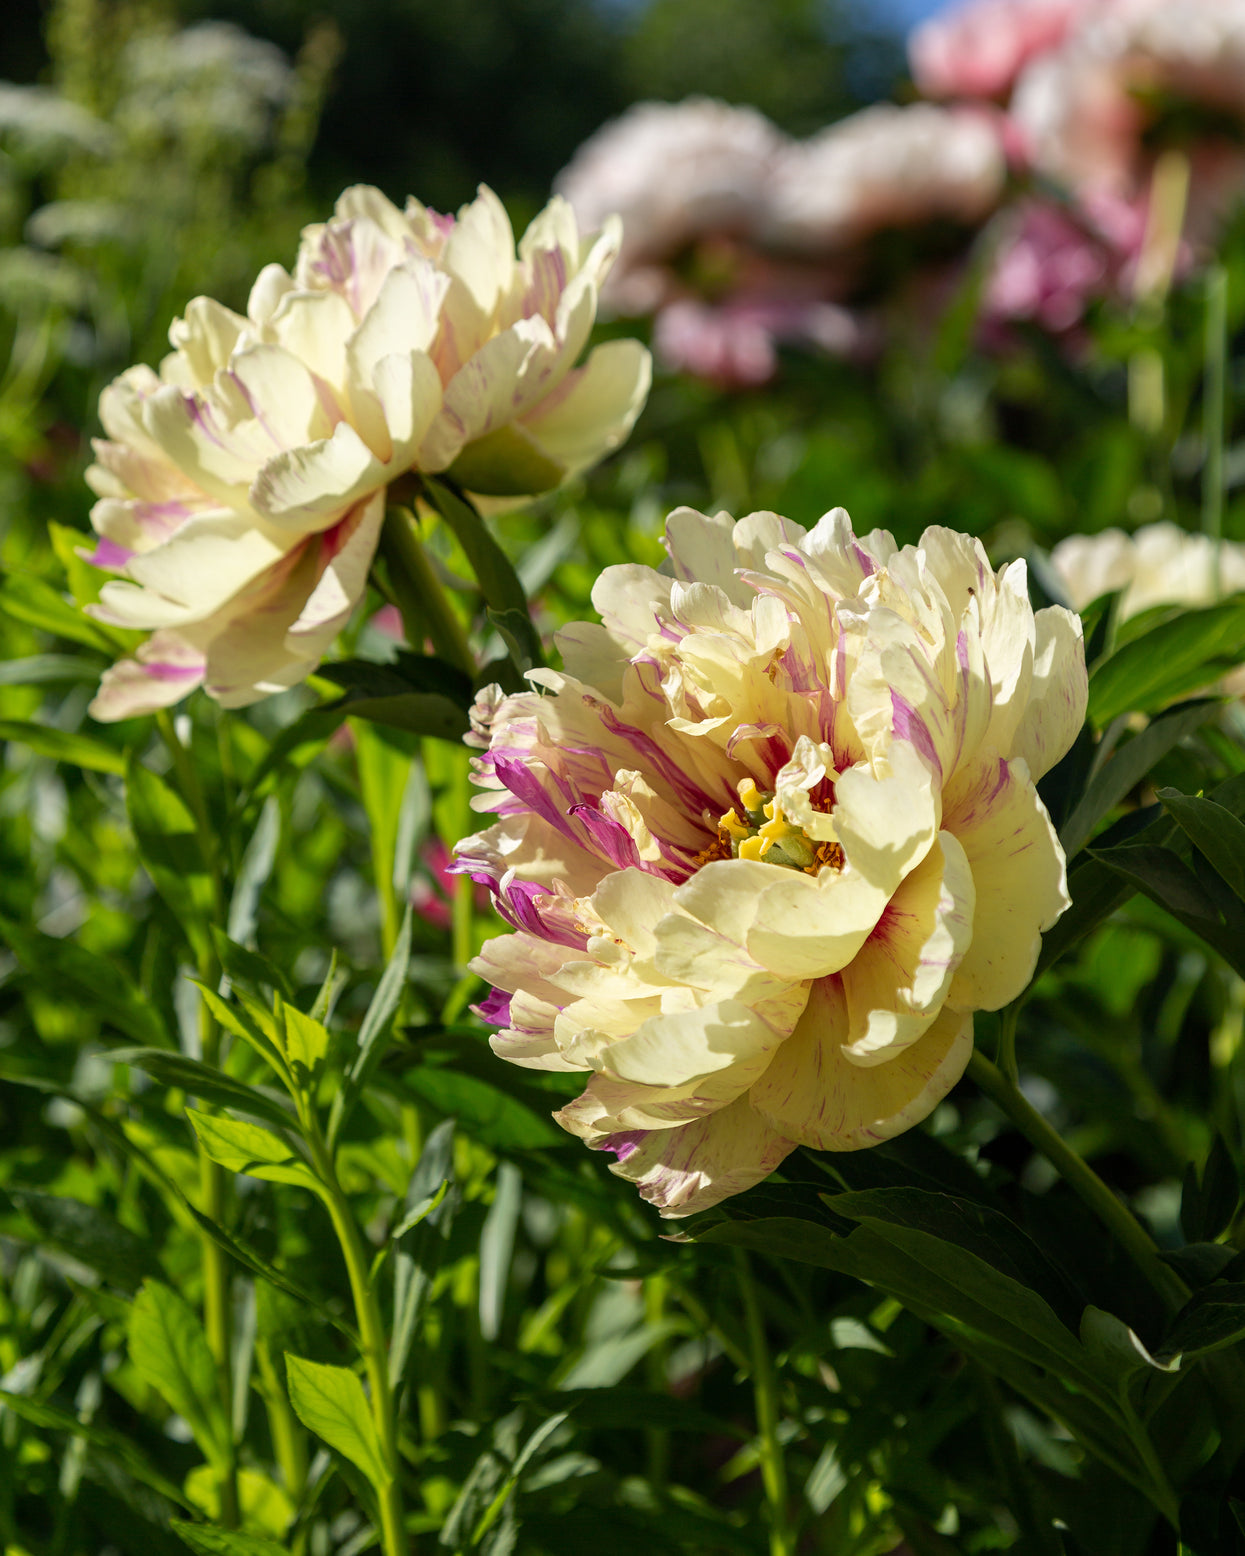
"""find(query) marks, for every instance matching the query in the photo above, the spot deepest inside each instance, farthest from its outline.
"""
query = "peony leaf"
(170, 1352)
(1169, 661)
(330, 1402)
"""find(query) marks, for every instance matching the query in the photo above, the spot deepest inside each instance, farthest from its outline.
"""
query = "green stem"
(1113, 1214)
(289, 1440)
(773, 1465)
(217, 1314)
(1007, 1042)
(1214, 404)
(658, 1437)
(374, 1344)
(426, 608)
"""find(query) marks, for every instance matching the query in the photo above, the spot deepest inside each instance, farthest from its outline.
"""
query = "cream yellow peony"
(242, 487)
(771, 839)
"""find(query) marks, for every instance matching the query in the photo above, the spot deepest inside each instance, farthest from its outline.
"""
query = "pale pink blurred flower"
(1092, 113)
(733, 344)
(679, 175)
(977, 49)
(885, 167)
(1054, 259)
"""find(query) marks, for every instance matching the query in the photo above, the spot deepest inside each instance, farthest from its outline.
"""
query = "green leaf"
(114, 1444)
(170, 1352)
(1164, 877)
(330, 1402)
(489, 1115)
(48, 670)
(1127, 765)
(90, 1235)
(253, 873)
(495, 573)
(204, 1081)
(28, 599)
(252, 1024)
(496, 1248)
(306, 1040)
(976, 1228)
(1213, 830)
(376, 1030)
(1212, 1319)
(97, 983)
(416, 1242)
(520, 636)
(1118, 1350)
(169, 848)
(417, 693)
(250, 1260)
(211, 1540)
(1169, 661)
(1208, 1203)
(241, 965)
(248, 1149)
(62, 746)
(957, 1290)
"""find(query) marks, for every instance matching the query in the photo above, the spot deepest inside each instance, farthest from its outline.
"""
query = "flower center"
(757, 829)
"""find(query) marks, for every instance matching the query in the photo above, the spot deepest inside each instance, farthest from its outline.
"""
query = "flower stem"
(773, 1465)
(1214, 400)
(375, 1347)
(217, 1315)
(1114, 1215)
(421, 598)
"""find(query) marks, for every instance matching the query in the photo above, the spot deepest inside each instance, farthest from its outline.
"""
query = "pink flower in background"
(1054, 259)
(1139, 75)
(681, 176)
(734, 344)
(885, 167)
(977, 49)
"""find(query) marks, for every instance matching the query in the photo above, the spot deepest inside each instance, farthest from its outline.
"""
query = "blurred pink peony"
(1137, 76)
(1055, 258)
(885, 167)
(977, 49)
(734, 345)
(689, 181)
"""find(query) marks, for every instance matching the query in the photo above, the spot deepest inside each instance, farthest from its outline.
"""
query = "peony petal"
(1059, 694)
(691, 1168)
(1019, 874)
(596, 407)
(310, 488)
(897, 982)
(813, 1093)
(165, 669)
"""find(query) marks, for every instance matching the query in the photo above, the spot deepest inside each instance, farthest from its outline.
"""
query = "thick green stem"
(773, 1465)
(420, 596)
(375, 1346)
(1114, 1215)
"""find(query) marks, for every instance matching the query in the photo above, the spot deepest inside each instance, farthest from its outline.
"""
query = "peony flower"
(242, 487)
(770, 839)
(885, 167)
(680, 175)
(1093, 113)
(1053, 259)
(977, 49)
(1159, 564)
